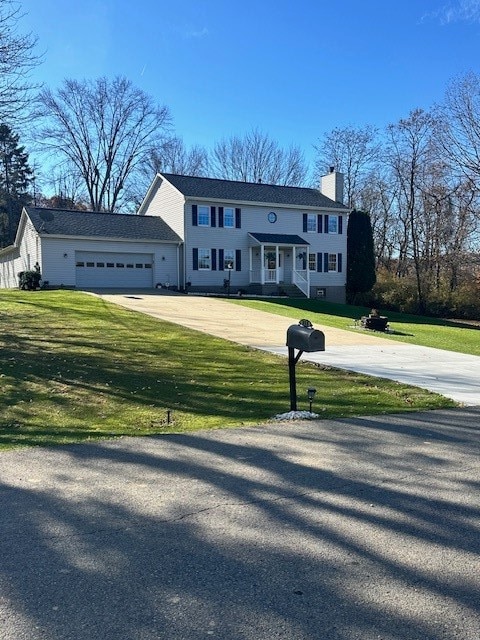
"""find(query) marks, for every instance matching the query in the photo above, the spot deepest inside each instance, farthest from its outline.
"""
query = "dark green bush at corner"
(29, 280)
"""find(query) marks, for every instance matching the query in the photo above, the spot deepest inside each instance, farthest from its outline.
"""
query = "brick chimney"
(331, 185)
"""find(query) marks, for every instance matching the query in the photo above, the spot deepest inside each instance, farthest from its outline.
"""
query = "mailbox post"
(303, 337)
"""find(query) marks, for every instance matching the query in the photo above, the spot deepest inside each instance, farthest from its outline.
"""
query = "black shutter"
(194, 215)
(339, 263)
(221, 261)
(195, 259)
(220, 216)
(340, 224)
(325, 262)
(320, 223)
(214, 259)
(319, 262)
(305, 219)
(238, 218)
(213, 222)
(325, 226)
(238, 260)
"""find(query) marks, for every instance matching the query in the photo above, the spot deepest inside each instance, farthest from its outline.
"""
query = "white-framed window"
(332, 224)
(228, 259)
(229, 217)
(311, 222)
(203, 216)
(312, 261)
(204, 259)
(332, 262)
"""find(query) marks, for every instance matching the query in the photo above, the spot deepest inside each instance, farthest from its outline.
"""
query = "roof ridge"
(103, 213)
(242, 182)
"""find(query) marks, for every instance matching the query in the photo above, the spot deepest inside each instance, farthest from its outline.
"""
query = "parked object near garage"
(303, 337)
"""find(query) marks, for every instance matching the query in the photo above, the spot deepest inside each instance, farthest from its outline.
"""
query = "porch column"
(308, 272)
(277, 270)
(262, 264)
(250, 262)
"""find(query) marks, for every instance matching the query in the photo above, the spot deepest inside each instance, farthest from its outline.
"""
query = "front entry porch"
(279, 259)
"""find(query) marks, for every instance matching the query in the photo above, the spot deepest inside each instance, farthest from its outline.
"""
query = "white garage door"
(94, 269)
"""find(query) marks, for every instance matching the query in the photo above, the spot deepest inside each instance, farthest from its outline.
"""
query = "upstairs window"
(332, 224)
(203, 216)
(311, 223)
(229, 217)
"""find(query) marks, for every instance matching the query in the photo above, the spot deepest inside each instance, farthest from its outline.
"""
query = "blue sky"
(295, 70)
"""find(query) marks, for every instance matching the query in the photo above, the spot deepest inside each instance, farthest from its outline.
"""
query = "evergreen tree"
(360, 255)
(15, 177)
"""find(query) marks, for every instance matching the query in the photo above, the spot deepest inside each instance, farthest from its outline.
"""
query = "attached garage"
(95, 269)
(90, 250)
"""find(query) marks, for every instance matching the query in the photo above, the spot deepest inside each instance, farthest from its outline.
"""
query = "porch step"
(292, 291)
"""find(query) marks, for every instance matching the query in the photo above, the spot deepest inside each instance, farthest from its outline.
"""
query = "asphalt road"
(355, 529)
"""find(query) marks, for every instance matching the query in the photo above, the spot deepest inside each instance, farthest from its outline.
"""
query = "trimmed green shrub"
(29, 280)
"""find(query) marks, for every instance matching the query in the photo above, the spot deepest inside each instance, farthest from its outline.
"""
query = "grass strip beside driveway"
(458, 336)
(74, 367)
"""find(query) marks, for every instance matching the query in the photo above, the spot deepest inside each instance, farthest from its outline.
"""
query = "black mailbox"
(305, 338)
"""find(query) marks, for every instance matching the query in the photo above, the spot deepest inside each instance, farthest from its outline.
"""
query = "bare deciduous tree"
(69, 193)
(174, 157)
(378, 197)
(256, 157)
(410, 157)
(458, 125)
(17, 59)
(103, 131)
(353, 152)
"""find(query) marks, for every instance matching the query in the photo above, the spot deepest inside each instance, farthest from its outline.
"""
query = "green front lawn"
(74, 367)
(427, 332)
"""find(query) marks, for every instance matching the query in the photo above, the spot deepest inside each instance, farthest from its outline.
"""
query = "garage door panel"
(104, 269)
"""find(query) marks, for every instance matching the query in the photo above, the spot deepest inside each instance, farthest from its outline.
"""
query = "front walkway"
(454, 375)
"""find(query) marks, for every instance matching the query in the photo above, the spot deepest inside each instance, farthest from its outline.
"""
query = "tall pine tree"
(360, 256)
(15, 178)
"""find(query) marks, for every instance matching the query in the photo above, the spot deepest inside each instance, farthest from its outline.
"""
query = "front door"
(274, 272)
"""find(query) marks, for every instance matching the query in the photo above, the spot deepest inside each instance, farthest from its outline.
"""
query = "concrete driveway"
(454, 375)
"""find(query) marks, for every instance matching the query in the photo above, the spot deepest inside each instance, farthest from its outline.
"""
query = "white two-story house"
(256, 238)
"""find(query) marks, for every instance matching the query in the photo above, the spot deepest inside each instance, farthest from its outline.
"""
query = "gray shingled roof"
(278, 238)
(231, 191)
(103, 225)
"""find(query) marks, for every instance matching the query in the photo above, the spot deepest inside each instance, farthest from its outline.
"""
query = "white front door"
(274, 271)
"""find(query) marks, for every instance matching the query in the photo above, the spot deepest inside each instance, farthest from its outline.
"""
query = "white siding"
(254, 220)
(21, 258)
(332, 186)
(167, 203)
